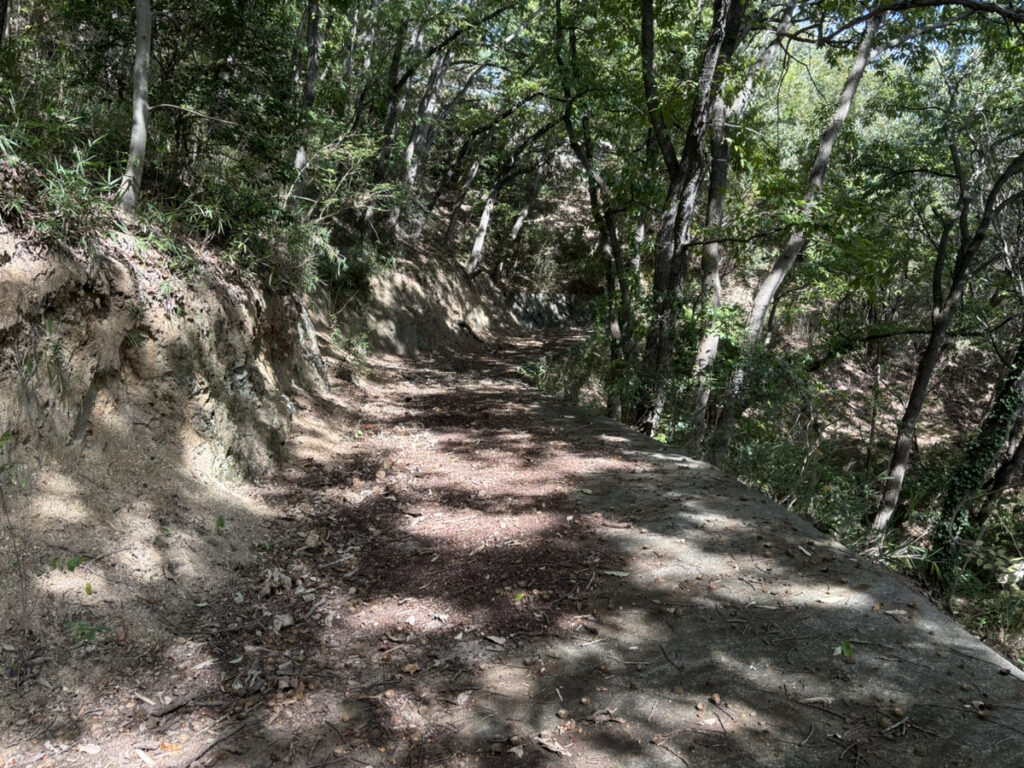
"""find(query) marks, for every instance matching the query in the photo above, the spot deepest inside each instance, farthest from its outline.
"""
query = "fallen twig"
(177, 704)
(201, 751)
(669, 660)
(808, 737)
(674, 753)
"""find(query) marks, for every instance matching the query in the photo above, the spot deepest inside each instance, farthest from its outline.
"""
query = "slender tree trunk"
(1008, 471)
(477, 255)
(5, 11)
(422, 135)
(906, 434)
(309, 80)
(620, 303)
(875, 361)
(945, 308)
(671, 252)
(531, 198)
(396, 102)
(614, 395)
(958, 518)
(455, 166)
(131, 182)
(722, 117)
(793, 250)
(364, 42)
(498, 270)
(711, 259)
(456, 214)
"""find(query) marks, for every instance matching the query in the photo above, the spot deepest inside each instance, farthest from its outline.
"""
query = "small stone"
(584, 700)
(563, 714)
(700, 706)
(715, 698)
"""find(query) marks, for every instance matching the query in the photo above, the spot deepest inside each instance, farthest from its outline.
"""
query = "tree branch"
(193, 112)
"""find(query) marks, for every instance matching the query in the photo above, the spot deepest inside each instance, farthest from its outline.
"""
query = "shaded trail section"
(464, 573)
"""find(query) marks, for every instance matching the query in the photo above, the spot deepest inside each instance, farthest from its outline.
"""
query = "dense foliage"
(800, 222)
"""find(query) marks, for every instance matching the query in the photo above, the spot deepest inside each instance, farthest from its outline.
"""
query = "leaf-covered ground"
(451, 570)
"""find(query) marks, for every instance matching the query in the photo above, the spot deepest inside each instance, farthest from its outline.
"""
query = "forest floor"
(451, 570)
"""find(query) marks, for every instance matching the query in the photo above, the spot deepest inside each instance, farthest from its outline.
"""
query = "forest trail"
(460, 572)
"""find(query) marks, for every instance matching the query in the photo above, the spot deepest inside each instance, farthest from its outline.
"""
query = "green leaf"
(844, 649)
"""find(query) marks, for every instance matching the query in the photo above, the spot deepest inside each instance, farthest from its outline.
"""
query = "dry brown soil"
(450, 570)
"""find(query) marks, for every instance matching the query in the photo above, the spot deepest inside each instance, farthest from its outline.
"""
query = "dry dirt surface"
(450, 570)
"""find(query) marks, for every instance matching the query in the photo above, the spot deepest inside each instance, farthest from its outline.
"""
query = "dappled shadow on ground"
(466, 574)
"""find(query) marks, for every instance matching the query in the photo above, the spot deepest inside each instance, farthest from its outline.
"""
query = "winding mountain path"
(459, 572)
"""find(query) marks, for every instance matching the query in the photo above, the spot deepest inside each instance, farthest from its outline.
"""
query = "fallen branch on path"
(201, 751)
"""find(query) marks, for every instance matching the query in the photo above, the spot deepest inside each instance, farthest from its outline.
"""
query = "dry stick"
(674, 753)
(198, 755)
(823, 709)
(665, 654)
(724, 729)
(174, 705)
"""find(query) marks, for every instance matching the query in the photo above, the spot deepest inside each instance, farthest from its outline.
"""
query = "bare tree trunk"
(131, 182)
(791, 253)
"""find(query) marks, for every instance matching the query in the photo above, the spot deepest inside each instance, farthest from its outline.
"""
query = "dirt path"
(458, 572)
